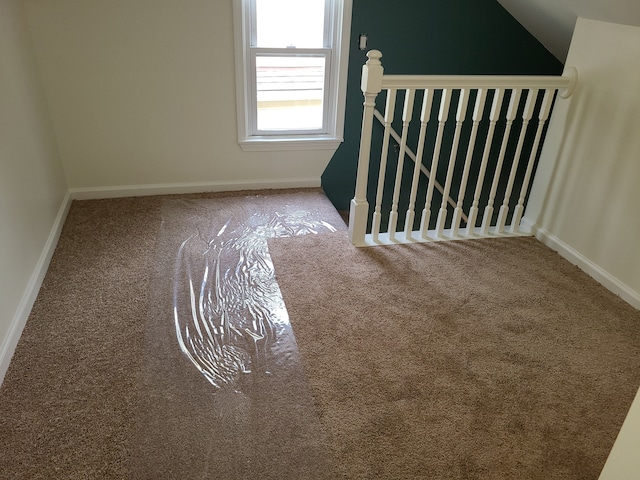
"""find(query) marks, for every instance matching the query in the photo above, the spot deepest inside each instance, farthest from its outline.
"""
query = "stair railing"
(424, 170)
(495, 100)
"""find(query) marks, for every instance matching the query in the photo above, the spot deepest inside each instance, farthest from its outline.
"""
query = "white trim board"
(92, 193)
(600, 275)
(21, 315)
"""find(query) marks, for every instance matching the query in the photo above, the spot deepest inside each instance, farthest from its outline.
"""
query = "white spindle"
(496, 106)
(388, 119)
(443, 115)
(543, 115)
(527, 113)
(478, 110)
(425, 171)
(412, 156)
(370, 85)
(461, 113)
(511, 115)
(425, 113)
(407, 113)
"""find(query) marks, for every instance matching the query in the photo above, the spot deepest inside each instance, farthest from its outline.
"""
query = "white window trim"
(337, 98)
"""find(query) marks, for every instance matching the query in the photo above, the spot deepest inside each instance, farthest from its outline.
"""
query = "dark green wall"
(429, 37)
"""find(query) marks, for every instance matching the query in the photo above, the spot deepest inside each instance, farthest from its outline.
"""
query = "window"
(291, 68)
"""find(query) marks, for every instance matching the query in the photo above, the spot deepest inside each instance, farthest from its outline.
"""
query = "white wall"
(624, 461)
(586, 195)
(32, 184)
(585, 200)
(142, 92)
(552, 21)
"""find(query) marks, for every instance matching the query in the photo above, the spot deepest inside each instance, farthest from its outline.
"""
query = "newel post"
(370, 85)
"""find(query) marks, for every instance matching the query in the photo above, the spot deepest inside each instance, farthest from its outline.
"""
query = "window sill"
(274, 144)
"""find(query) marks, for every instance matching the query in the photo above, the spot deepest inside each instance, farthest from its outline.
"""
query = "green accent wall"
(452, 37)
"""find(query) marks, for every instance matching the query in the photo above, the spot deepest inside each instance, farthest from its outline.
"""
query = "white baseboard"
(184, 188)
(596, 272)
(19, 320)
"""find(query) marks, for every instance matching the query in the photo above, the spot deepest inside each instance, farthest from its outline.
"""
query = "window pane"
(290, 23)
(290, 92)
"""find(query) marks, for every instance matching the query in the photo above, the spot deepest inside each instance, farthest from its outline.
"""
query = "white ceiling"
(552, 21)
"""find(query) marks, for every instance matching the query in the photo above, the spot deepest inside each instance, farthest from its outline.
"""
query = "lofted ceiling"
(552, 21)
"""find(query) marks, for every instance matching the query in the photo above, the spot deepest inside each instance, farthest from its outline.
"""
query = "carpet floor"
(420, 361)
(98, 387)
(480, 359)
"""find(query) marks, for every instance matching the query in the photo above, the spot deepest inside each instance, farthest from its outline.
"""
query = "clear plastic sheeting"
(234, 323)
(222, 390)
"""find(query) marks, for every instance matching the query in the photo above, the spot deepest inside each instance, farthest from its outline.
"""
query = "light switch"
(362, 41)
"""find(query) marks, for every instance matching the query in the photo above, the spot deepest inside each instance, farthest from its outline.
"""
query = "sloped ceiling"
(552, 21)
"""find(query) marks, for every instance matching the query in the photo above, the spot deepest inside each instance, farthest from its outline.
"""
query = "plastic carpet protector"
(222, 390)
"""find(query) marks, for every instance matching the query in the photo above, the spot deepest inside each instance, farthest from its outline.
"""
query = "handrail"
(412, 156)
(565, 82)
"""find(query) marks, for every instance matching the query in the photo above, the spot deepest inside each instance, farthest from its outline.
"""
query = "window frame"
(291, 52)
(336, 49)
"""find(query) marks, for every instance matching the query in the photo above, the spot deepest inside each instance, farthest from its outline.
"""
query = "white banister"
(526, 117)
(501, 156)
(477, 116)
(407, 113)
(511, 115)
(425, 113)
(545, 109)
(425, 171)
(479, 81)
(388, 118)
(443, 114)
(370, 85)
(493, 119)
(460, 116)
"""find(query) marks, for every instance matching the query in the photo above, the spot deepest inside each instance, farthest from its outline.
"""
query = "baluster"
(407, 113)
(460, 116)
(477, 116)
(493, 118)
(412, 156)
(388, 119)
(526, 117)
(511, 115)
(443, 115)
(370, 85)
(425, 114)
(543, 115)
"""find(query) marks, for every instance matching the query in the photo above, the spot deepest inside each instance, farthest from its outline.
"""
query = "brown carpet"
(423, 361)
(484, 359)
(83, 397)
(227, 397)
